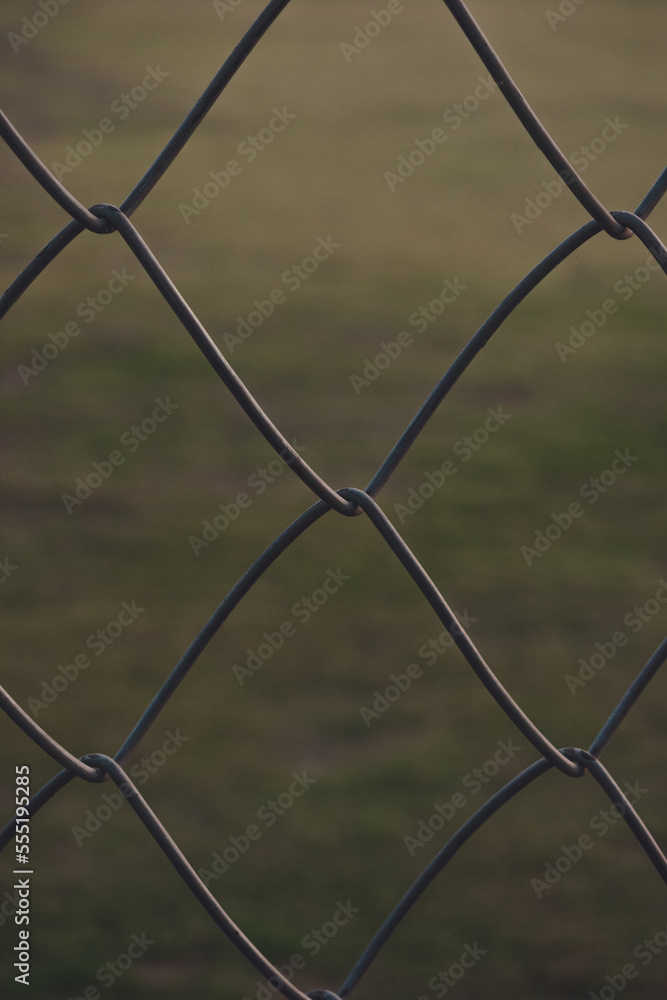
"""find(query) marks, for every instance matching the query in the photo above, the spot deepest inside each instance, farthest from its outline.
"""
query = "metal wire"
(106, 219)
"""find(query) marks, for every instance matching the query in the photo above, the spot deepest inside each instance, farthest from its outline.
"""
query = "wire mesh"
(575, 762)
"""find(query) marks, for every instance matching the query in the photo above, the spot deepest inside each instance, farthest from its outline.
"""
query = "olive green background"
(323, 176)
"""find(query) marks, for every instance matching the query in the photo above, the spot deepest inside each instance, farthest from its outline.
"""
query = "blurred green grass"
(321, 177)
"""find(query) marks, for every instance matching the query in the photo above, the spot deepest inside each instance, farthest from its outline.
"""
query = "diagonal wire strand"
(509, 706)
(83, 218)
(219, 363)
(202, 893)
(531, 122)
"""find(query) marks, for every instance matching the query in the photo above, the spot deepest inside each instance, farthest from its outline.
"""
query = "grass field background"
(323, 177)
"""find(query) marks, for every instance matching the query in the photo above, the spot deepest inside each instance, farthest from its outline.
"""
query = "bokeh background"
(131, 540)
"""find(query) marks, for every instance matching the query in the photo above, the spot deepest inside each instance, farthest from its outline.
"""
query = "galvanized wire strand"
(201, 892)
(652, 198)
(219, 363)
(39, 262)
(203, 105)
(46, 179)
(44, 741)
(83, 217)
(219, 616)
(646, 235)
(531, 122)
(182, 668)
(476, 821)
(436, 865)
(638, 686)
(472, 655)
(472, 349)
(632, 818)
(495, 321)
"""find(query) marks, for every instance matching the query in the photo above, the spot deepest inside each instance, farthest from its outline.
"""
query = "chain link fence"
(573, 762)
